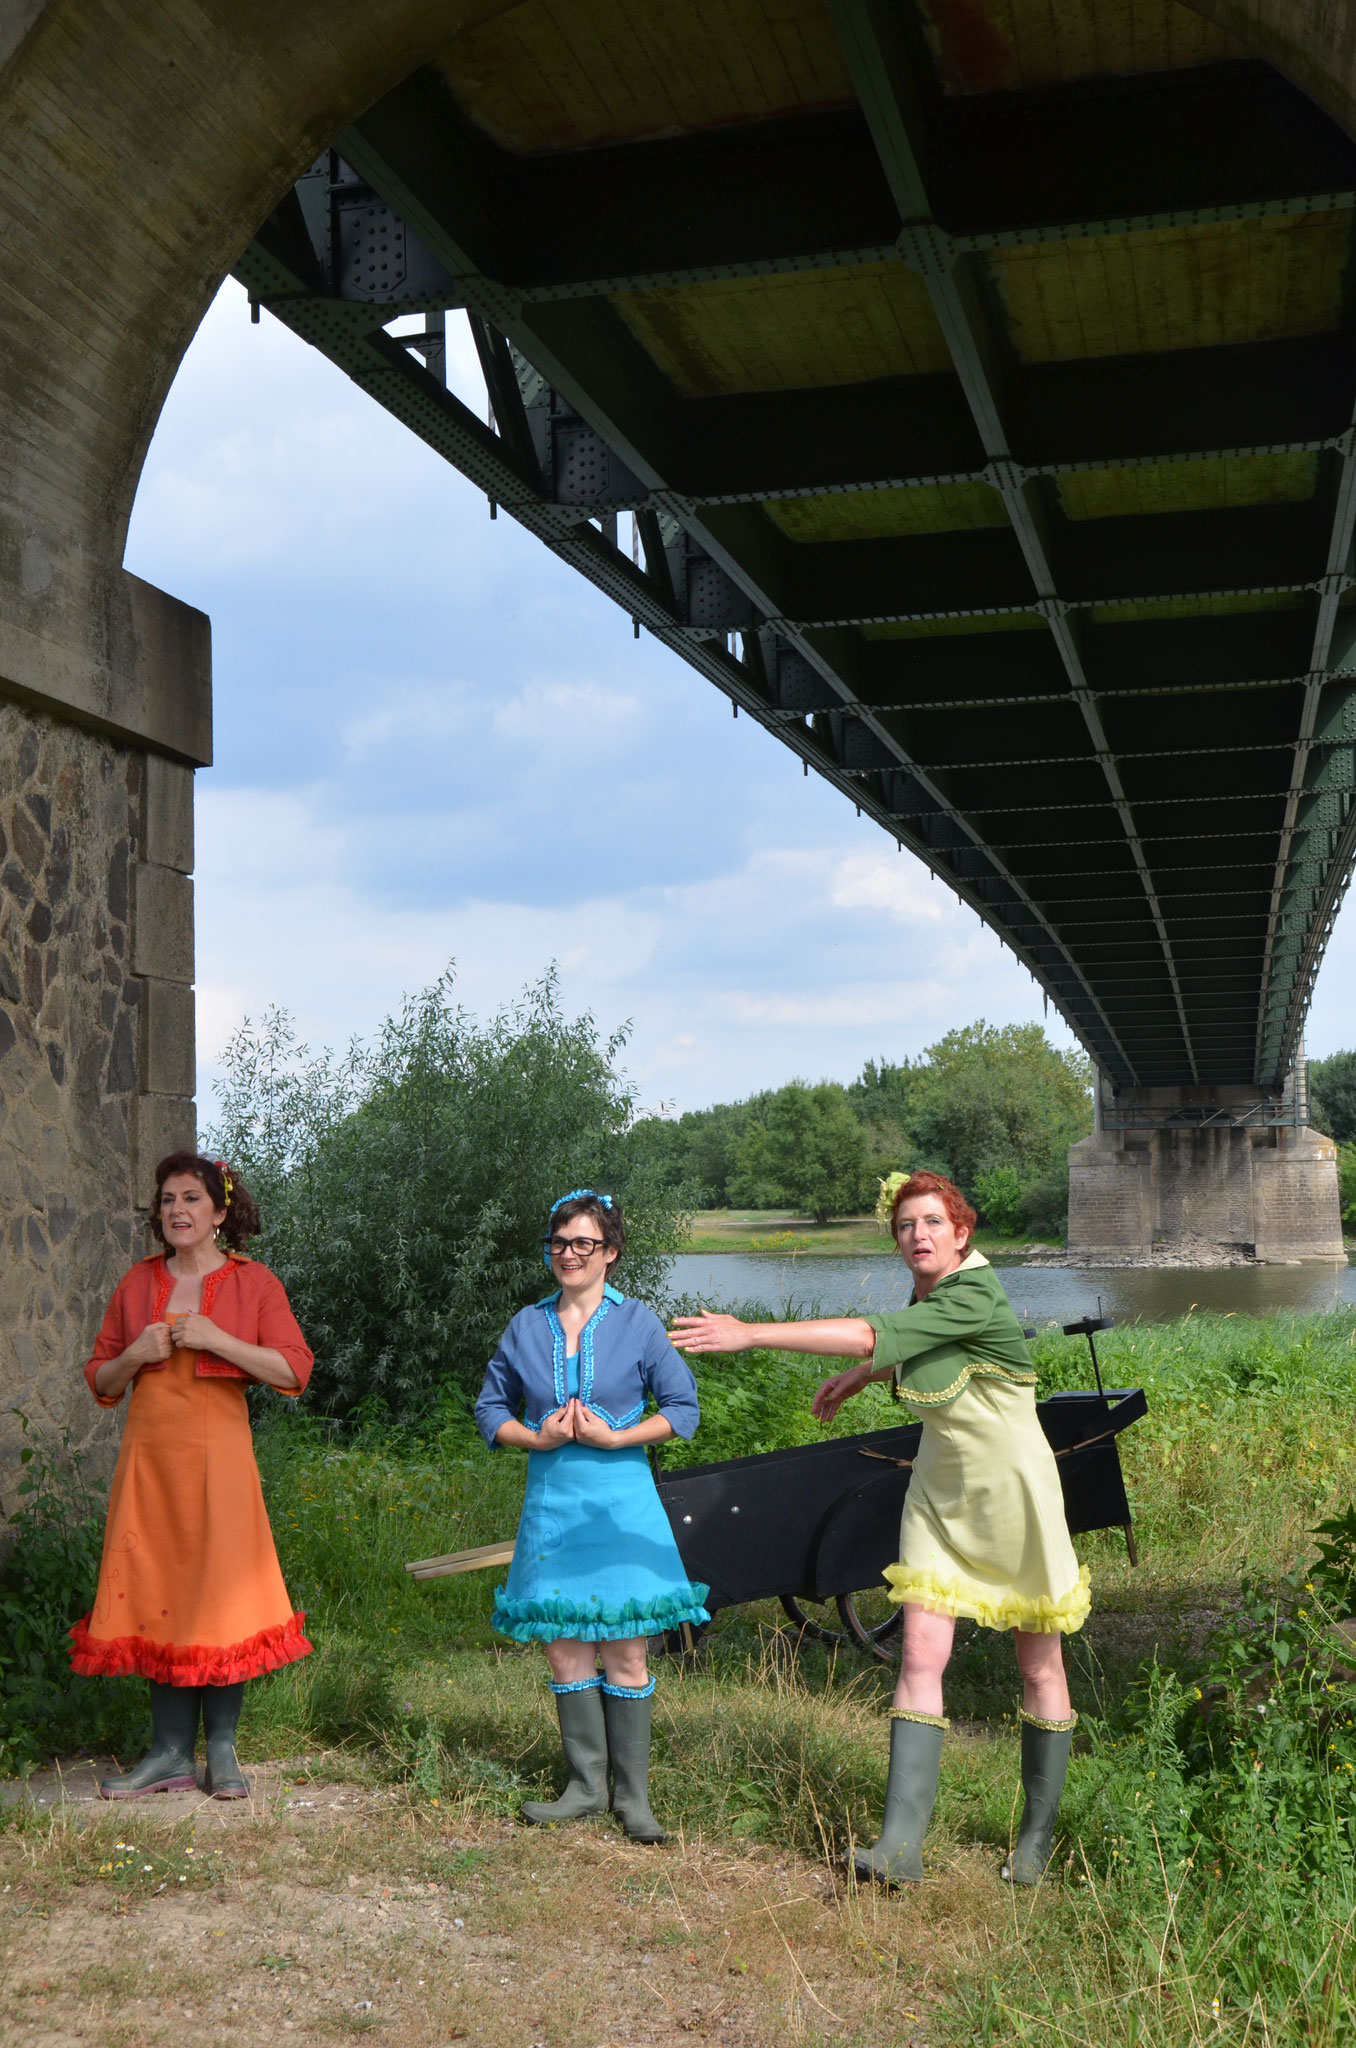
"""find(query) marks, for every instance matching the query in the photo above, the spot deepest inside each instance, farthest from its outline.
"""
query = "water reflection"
(1040, 1294)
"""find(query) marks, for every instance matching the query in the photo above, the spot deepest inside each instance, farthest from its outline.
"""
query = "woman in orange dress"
(190, 1594)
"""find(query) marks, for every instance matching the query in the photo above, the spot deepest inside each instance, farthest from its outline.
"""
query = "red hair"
(948, 1194)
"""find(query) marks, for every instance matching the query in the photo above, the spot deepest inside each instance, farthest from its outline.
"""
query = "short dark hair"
(242, 1217)
(610, 1221)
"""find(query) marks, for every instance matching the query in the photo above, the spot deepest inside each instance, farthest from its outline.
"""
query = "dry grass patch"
(368, 1912)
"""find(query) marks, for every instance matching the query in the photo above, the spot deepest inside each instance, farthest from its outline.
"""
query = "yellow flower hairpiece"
(889, 1188)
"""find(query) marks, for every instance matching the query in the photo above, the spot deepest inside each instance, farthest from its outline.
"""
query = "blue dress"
(594, 1558)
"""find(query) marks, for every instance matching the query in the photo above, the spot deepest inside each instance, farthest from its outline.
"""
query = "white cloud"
(906, 892)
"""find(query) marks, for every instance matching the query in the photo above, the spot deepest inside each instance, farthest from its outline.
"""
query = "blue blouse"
(624, 1359)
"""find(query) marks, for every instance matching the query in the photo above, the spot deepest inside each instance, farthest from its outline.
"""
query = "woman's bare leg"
(1045, 1690)
(926, 1652)
(624, 1662)
(570, 1660)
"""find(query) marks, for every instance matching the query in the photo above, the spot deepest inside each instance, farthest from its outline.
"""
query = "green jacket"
(964, 1329)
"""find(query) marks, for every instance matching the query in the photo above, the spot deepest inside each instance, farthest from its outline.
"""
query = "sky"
(435, 743)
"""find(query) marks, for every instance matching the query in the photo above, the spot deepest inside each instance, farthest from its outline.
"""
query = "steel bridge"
(979, 385)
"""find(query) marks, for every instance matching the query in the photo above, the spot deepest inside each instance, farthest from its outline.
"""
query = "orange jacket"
(242, 1298)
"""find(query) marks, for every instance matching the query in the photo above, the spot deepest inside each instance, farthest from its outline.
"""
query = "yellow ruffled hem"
(1039, 1617)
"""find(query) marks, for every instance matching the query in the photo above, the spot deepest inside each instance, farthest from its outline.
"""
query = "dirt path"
(321, 1910)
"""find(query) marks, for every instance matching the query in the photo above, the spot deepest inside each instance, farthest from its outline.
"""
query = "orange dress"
(190, 1589)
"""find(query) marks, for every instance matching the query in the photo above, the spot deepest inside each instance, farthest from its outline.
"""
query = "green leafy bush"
(998, 1196)
(48, 1574)
(405, 1187)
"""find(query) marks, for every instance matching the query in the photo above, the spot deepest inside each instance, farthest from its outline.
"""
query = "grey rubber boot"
(628, 1749)
(220, 1713)
(583, 1737)
(168, 1764)
(915, 1764)
(1045, 1759)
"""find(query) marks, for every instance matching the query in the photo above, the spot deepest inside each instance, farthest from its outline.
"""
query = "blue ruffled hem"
(546, 1621)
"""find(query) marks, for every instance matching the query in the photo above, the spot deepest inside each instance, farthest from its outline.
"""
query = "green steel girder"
(1155, 812)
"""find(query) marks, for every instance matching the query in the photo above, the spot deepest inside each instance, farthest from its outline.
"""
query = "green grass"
(779, 1233)
(1207, 1882)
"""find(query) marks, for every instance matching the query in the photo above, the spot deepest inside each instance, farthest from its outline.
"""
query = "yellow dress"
(983, 1532)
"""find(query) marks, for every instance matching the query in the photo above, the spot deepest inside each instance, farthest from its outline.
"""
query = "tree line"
(994, 1107)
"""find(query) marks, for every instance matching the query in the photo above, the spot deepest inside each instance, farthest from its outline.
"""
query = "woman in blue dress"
(595, 1568)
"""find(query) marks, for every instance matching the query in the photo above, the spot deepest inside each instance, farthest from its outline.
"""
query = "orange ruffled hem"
(191, 1664)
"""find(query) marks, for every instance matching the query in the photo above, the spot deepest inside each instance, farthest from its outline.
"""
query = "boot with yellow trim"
(915, 1764)
(1045, 1759)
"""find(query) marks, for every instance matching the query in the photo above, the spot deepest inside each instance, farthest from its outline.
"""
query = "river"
(1040, 1294)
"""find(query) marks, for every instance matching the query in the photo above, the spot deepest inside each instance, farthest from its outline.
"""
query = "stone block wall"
(96, 1043)
(1110, 1211)
(1200, 1193)
(1298, 1202)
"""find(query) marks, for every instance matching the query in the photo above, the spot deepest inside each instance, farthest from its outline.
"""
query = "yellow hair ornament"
(889, 1188)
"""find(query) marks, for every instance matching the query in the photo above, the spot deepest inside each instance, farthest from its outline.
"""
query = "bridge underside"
(979, 383)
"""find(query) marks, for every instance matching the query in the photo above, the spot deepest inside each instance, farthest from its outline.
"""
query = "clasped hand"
(574, 1423)
(192, 1333)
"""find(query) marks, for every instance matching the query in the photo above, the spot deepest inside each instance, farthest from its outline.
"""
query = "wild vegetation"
(995, 1108)
(1207, 1876)
(404, 1185)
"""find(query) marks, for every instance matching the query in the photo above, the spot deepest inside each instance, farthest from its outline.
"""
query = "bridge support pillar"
(105, 709)
(1147, 1185)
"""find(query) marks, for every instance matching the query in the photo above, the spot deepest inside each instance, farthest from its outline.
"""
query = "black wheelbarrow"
(814, 1527)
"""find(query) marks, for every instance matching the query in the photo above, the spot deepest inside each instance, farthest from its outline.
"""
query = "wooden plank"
(461, 1561)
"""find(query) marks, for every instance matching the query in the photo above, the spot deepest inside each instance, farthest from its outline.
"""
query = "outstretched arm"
(823, 1336)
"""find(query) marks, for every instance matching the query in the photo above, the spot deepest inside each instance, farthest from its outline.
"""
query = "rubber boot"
(627, 1711)
(1045, 1759)
(220, 1713)
(915, 1763)
(583, 1737)
(168, 1764)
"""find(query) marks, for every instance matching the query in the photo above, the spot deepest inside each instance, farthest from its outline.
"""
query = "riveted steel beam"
(884, 64)
(582, 352)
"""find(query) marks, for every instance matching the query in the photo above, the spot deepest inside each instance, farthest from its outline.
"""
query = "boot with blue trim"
(627, 1710)
(583, 1737)
(910, 1792)
(1045, 1759)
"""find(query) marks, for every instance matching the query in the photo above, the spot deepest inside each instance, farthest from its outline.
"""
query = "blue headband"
(575, 1195)
(580, 1194)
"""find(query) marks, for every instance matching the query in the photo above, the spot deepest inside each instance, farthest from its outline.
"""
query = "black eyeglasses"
(582, 1247)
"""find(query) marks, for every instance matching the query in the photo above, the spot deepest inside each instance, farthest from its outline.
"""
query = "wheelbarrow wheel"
(810, 1618)
(872, 1621)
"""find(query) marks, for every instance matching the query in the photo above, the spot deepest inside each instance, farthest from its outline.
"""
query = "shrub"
(405, 1187)
(47, 1579)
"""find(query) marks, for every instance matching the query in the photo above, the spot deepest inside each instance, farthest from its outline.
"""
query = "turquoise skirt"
(594, 1558)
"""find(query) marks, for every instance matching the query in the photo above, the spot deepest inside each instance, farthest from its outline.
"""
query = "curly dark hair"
(242, 1217)
(611, 1223)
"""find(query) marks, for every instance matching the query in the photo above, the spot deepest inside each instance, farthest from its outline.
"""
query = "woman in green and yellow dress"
(983, 1532)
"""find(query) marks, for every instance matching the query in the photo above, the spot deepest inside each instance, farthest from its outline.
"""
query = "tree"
(987, 1097)
(1332, 1096)
(805, 1147)
(699, 1151)
(405, 1187)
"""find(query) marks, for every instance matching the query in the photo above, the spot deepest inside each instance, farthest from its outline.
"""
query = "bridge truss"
(985, 408)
